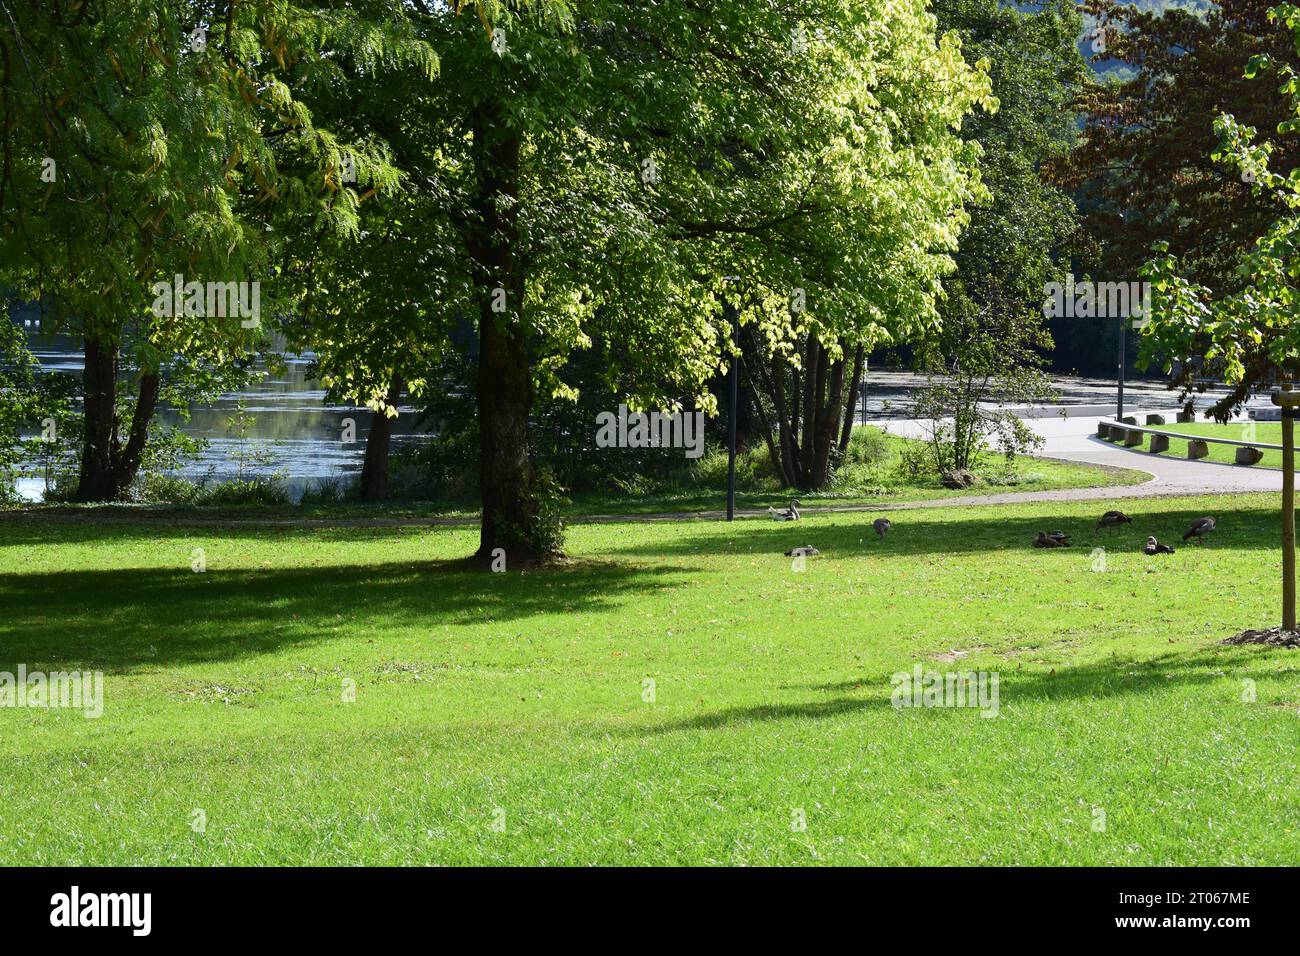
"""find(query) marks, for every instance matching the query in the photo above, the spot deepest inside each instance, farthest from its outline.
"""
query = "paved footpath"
(1075, 439)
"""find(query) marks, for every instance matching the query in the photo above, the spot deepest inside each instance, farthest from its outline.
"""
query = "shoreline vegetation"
(876, 471)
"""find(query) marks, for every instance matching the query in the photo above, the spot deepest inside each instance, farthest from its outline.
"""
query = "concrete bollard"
(1155, 419)
(1159, 443)
(1197, 449)
(1133, 438)
(1129, 420)
(1249, 456)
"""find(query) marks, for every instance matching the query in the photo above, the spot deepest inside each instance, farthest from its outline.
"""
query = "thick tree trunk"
(510, 508)
(511, 513)
(374, 470)
(99, 390)
(107, 467)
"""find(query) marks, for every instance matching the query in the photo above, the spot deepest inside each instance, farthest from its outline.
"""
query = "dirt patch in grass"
(1273, 636)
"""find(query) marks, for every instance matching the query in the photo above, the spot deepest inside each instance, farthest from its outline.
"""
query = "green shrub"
(327, 491)
(253, 490)
(152, 487)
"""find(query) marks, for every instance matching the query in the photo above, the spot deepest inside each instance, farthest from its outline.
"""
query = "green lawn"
(1268, 433)
(517, 699)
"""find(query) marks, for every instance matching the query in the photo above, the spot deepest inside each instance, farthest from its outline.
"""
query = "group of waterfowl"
(1113, 519)
(881, 525)
(1044, 539)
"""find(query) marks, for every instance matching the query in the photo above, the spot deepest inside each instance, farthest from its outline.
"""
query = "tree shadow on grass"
(949, 531)
(1094, 681)
(118, 620)
(33, 532)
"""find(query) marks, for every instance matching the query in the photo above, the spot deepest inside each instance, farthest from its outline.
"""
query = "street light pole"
(1119, 403)
(729, 311)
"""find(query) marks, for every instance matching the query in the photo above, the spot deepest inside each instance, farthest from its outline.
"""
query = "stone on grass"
(1133, 438)
(1249, 456)
(1197, 448)
(957, 478)
(1155, 419)
(1159, 443)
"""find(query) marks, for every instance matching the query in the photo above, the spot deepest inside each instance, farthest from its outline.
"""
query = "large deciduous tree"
(611, 164)
(144, 140)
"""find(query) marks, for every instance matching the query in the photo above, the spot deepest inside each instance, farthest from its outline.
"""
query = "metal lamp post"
(730, 312)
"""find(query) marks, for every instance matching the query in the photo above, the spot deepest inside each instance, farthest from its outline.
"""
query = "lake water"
(293, 432)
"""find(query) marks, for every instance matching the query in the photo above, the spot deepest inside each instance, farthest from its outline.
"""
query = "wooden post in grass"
(1289, 401)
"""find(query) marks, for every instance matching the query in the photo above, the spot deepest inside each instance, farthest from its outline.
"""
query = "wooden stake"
(1288, 512)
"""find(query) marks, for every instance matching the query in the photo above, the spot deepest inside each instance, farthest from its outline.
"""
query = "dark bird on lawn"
(790, 514)
(1055, 540)
(1113, 519)
(882, 525)
(1199, 529)
(1155, 547)
(806, 551)
(1060, 536)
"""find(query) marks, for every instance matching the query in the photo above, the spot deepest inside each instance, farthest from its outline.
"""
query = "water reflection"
(292, 431)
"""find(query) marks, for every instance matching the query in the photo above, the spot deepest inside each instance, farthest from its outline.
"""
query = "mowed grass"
(1268, 433)
(506, 718)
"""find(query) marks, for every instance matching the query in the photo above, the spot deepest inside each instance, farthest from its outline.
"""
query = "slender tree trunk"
(851, 403)
(812, 383)
(374, 470)
(752, 358)
(828, 420)
(789, 465)
(511, 512)
(107, 467)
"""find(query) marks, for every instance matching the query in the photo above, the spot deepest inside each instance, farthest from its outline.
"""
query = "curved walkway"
(1075, 439)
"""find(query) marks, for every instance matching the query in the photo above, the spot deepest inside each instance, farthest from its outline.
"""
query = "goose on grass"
(1199, 529)
(789, 514)
(1113, 519)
